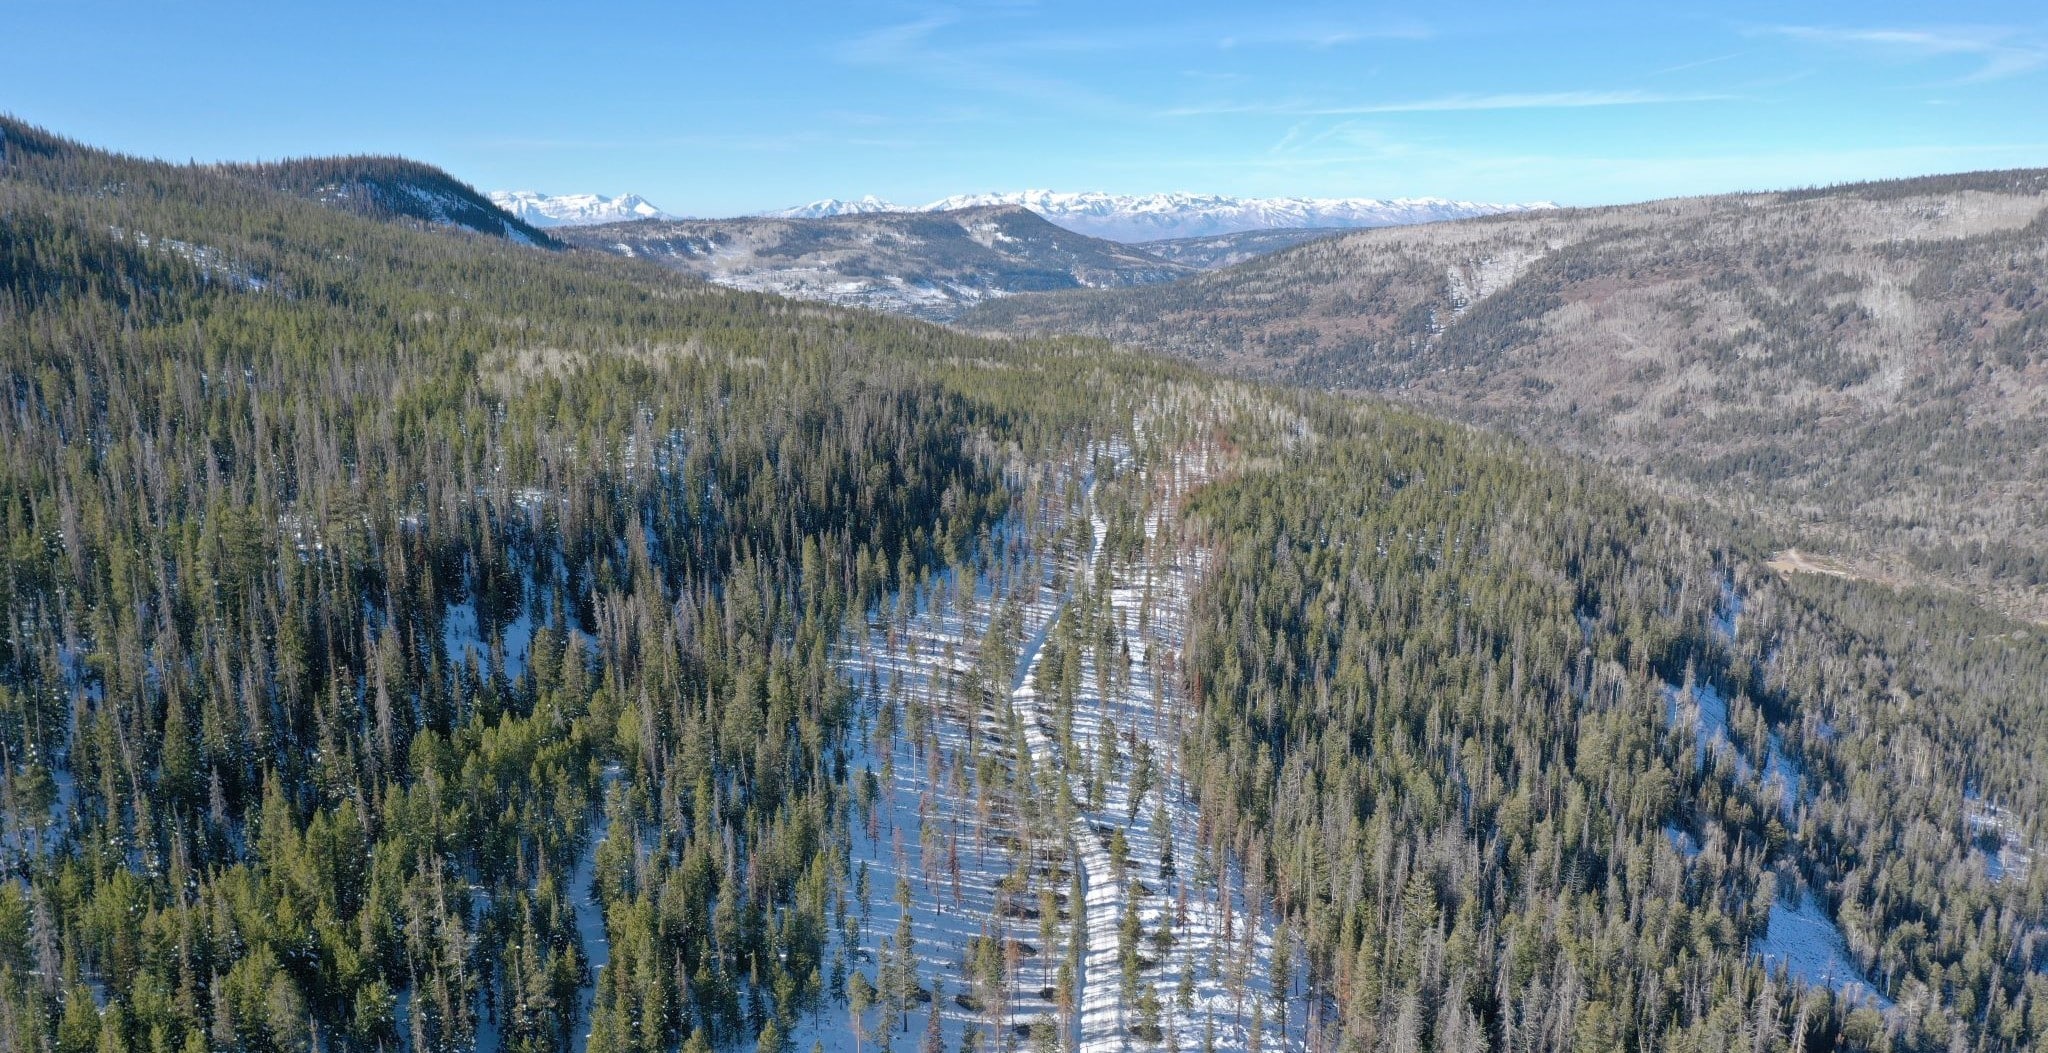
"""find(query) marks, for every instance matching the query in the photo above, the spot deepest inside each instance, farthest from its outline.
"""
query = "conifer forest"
(427, 639)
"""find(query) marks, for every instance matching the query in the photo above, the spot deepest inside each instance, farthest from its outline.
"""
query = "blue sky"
(713, 109)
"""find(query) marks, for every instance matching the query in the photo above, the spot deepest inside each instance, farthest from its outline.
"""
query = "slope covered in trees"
(336, 590)
(392, 188)
(419, 640)
(1535, 763)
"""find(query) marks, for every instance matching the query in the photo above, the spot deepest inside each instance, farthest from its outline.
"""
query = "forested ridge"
(1441, 686)
(402, 621)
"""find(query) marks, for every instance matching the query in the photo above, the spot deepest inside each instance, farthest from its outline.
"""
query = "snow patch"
(1802, 937)
(950, 708)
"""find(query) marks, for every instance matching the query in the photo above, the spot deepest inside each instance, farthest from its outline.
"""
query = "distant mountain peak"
(832, 206)
(575, 210)
(1149, 217)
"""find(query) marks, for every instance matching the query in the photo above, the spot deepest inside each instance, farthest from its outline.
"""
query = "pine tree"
(859, 996)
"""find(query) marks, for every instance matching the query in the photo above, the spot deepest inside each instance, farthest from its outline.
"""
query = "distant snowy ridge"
(1148, 217)
(933, 265)
(833, 206)
(574, 210)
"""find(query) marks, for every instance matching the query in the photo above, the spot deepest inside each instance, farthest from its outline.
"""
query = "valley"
(429, 638)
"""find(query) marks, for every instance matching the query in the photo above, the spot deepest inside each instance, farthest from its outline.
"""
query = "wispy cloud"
(1323, 35)
(1198, 35)
(913, 47)
(999, 52)
(1697, 63)
(2000, 52)
(1354, 134)
(1550, 100)
(894, 43)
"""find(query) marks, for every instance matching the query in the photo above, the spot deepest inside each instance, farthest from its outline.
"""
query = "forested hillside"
(391, 188)
(1534, 763)
(344, 561)
(1860, 366)
(419, 640)
(1223, 250)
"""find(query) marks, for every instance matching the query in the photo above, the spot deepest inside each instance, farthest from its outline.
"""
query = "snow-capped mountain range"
(832, 206)
(574, 210)
(1118, 217)
(1150, 217)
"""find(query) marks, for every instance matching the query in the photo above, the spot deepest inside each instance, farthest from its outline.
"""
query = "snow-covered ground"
(981, 821)
(2013, 857)
(212, 263)
(1799, 932)
(22, 842)
(1809, 944)
(1705, 709)
(1220, 945)
(464, 642)
(462, 637)
(1683, 840)
(590, 929)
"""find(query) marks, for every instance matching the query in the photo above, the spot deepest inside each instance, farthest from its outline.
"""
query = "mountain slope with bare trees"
(1865, 367)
